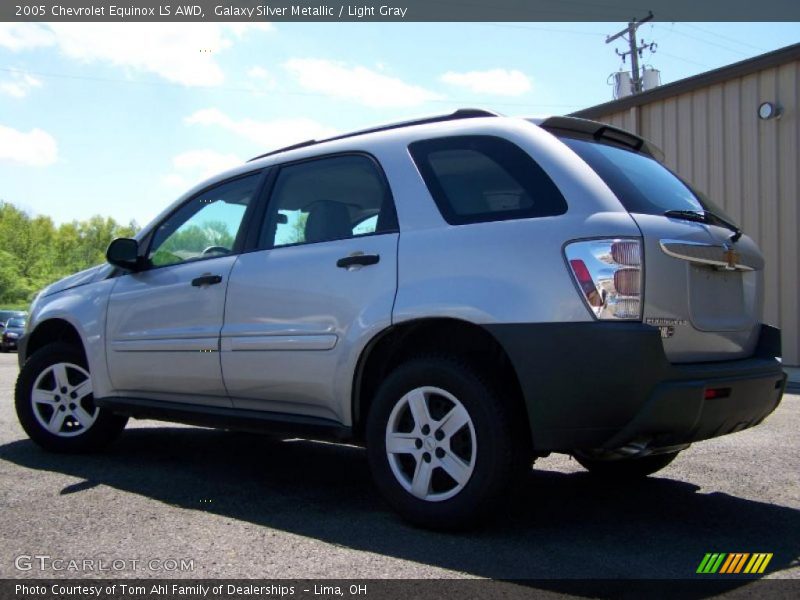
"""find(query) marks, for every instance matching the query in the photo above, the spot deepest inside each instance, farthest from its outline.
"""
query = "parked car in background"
(5, 315)
(13, 330)
(461, 294)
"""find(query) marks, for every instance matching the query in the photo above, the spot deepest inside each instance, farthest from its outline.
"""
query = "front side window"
(478, 178)
(327, 199)
(206, 226)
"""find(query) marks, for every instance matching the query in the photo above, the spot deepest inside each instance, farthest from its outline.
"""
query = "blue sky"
(119, 119)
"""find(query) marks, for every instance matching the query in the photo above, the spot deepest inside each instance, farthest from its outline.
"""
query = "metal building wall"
(712, 137)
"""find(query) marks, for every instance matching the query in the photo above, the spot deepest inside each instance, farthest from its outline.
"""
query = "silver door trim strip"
(166, 345)
(252, 343)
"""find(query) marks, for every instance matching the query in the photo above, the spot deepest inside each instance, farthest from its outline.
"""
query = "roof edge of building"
(689, 84)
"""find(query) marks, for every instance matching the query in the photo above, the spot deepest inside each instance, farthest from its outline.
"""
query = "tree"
(36, 252)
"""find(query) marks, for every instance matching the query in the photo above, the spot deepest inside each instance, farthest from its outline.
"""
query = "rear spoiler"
(575, 127)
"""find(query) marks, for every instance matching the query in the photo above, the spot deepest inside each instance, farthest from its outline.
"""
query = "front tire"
(55, 403)
(441, 443)
(626, 468)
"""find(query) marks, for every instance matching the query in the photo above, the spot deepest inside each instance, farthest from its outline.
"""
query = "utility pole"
(635, 51)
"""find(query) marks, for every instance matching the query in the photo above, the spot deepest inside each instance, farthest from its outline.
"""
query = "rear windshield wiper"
(706, 216)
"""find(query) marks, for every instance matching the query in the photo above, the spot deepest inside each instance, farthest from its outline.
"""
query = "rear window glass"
(485, 178)
(642, 184)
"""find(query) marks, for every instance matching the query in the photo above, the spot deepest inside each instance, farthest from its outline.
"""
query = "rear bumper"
(608, 385)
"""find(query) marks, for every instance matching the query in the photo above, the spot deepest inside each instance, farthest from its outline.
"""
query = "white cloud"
(208, 161)
(195, 165)
(258, 73)
(260, 80)
(19, 84)
(25, 36)
(357, 83)
(183, 53)
(500, 82)
(174, 180)
(36, 148)
(267, 134)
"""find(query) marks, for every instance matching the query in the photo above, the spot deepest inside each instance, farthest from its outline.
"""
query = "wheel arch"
(455, 337)
(51, 330)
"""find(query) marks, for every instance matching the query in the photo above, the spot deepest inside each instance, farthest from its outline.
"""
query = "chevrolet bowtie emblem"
(731, 257)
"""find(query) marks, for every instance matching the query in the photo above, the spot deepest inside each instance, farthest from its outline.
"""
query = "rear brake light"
(609, 276)
(585, 282)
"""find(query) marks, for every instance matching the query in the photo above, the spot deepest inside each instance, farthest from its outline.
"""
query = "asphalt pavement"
(174, 501)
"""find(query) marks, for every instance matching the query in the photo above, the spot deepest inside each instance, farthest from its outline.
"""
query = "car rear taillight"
(609, 275)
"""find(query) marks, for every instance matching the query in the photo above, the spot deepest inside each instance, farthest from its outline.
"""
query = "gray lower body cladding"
(606, 385)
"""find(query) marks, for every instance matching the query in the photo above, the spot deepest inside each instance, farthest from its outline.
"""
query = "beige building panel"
(733, 157)
(698, 135)
(670, 142)
(788, 92)
(767, 196)
(717, 139)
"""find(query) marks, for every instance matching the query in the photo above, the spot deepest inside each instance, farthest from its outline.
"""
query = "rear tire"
(55, 403)
(626, 468)
(453, 447)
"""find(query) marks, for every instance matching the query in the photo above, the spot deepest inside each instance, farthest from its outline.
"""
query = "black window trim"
(145, 244)
(440, 198)
(251, 243)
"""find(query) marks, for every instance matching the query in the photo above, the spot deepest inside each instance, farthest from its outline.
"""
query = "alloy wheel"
(62, 400)
(430, 444)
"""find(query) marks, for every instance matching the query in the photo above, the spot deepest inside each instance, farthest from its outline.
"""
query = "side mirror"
(124, 253)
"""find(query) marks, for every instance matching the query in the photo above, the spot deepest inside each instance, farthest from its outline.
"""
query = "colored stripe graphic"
(703, 563)
(732, 558)
(711, 562)
(734, 563)
(758, 563)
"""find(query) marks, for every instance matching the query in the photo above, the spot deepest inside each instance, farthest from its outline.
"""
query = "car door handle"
(206, 280)
(357, 259)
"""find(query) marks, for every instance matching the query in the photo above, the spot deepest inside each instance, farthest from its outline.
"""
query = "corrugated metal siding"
(712, 137)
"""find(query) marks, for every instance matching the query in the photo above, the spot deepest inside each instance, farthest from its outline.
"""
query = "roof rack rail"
(461, 113)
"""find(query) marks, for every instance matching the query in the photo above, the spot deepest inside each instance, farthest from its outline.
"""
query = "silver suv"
(461, 294)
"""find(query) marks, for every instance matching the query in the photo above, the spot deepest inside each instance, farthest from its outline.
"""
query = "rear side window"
(642, 184)
(478, 178)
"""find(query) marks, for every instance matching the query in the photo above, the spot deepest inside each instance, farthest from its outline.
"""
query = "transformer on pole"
(635, 51)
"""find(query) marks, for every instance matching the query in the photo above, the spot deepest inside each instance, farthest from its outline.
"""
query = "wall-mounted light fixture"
(769, 110)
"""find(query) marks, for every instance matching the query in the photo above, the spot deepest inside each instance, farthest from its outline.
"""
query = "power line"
(684, 59)
(535, 28)
(581, 10)
(703, 40)
(725, 37)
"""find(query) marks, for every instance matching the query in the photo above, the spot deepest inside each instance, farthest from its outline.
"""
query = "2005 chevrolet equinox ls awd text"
(461, 294)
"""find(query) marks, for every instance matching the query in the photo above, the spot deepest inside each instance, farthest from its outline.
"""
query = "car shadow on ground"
(556, 525)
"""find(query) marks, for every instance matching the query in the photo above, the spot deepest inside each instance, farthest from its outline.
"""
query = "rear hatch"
(702, 277)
